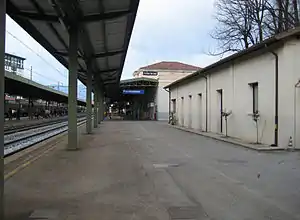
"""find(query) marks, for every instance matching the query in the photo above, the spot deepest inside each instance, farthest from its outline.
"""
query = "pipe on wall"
(169, 104)
(297, 86)
(206, 102)
(275, 144)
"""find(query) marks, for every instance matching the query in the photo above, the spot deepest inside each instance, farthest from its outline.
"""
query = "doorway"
(190, 112)
(220, 110)
(182, 111)
(200, 112)
(173, 116)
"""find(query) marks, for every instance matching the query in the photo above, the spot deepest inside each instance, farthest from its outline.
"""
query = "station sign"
(134, 92)
(150, 73)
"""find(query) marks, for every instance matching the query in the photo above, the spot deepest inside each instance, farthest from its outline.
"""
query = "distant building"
(263, 79)
(13, 63)
(166, 73)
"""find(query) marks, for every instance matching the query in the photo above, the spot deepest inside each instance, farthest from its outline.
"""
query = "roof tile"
(164, 65)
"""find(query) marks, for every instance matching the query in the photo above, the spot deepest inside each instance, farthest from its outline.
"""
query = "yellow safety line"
(27, 163)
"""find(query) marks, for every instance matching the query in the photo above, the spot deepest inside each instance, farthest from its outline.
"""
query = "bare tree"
(296, 4)
(243, 23)
(279, 8)
(257, 12)
(233, 31)
(283, 15)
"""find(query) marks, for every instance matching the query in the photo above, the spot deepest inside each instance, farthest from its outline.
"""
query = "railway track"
(17, 141)
(18, 128)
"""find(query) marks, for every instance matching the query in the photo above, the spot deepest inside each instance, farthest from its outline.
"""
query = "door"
(220, 110)
(173, 111)
(182, 111)
(190, 112)
(200, 112)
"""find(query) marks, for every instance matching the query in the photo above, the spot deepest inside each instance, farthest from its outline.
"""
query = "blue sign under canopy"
(134, 92)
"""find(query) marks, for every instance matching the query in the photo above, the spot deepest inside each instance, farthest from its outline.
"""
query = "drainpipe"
(168, 91)
(297, 85)
(206, 102)
(276, 97)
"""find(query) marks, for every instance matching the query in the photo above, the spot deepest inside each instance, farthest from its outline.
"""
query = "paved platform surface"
(236, 141)
(150, 171)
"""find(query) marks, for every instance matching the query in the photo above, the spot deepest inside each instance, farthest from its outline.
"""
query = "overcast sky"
(165, 30)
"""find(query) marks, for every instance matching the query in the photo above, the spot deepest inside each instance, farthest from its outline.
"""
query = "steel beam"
(37, 16)
(71, 17)
(108, 70)
(101, 71)
(72, 101)
(99, 55)
(105, 16)
(110, 82)
(2, 73)
(89, 102)
(83, 19)
(108, 54)
(103, 31)
(29, 28)
(134, 4)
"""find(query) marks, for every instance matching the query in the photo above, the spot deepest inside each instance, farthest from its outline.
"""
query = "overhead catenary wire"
(16, 38)
(39, 74)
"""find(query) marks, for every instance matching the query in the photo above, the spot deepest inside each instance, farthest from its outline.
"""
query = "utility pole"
(31, 73)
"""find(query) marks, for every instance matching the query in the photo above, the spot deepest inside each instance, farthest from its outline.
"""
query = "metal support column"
(102, 107)
(95, 107)
(72, 100)
(2, 51)
(99, 105)
(89, 102)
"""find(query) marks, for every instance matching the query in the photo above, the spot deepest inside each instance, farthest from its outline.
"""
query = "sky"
(165, 30)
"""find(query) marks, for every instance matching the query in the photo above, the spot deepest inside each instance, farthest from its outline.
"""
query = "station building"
(165, 73)
(261, 82)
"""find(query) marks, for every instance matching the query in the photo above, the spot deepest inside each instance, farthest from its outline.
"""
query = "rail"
(18, 141)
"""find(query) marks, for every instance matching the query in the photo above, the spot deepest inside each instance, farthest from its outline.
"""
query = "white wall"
(193, 88)
(289, 74)
(238, 96)
(162, 101)
(164, 77)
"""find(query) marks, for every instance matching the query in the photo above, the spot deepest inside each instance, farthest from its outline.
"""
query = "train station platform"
(101, 180)
(146, 170)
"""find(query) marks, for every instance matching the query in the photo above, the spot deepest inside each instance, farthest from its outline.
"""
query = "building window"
(174, 105)
(254, 87)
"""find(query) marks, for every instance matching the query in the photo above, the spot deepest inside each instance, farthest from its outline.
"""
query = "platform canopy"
(20, 86)
(105, 28)
(138, 82)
